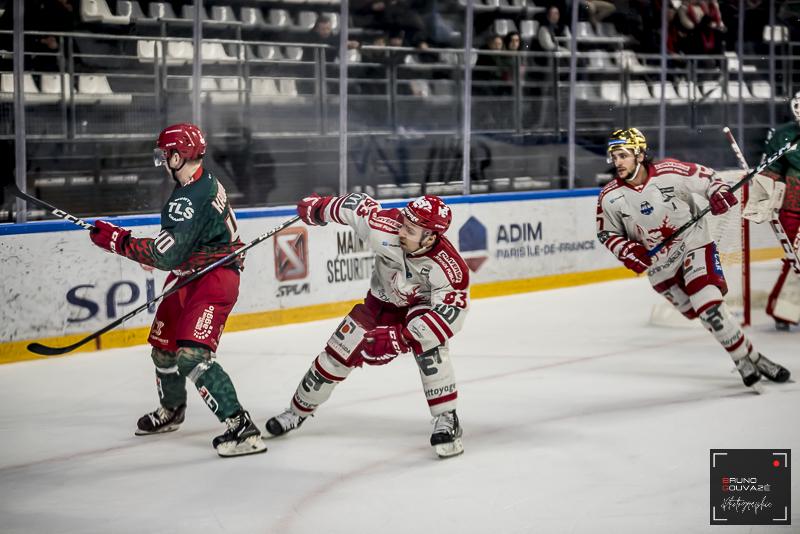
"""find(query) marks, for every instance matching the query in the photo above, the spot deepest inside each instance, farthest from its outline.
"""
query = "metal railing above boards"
(271, 110)
(280, 88)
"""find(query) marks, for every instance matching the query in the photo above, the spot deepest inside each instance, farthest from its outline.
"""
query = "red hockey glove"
(311, 208)
(109, 236)
(384, 344)
(722, 200)
(634, 256)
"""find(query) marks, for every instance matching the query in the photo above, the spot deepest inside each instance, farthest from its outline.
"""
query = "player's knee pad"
(345, 343)
(164, 360)
(705, 297)
(438, 379)
(193, 362)
(678, 298)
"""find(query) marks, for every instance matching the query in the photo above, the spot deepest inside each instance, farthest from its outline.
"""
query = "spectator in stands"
(550, 29)
(391, 16)
(41, 16)
(598, 11)
(380, 61)
(789, 15)
(703, 21)
(493, 71)
(322, 33)
(513, 41)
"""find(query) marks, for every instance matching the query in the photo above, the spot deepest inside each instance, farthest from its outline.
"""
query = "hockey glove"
(634, 256)
(311, 209)
(383, 344)
(722, 200)
(109, 236)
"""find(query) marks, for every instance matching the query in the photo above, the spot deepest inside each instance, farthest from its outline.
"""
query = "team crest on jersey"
(646, 208)
(180, 209)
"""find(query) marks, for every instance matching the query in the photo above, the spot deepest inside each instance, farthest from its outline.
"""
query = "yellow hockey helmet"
(626, 139)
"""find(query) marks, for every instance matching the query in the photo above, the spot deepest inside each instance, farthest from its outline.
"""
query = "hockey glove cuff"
(383, 344)
(634, 256)
(722, 200)
(109, 236)
(312, 208)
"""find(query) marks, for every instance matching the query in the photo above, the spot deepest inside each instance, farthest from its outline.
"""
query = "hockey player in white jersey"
(417, 301)
(645, 203)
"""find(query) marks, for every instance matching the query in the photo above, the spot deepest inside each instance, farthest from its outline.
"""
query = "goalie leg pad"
(212, 382)
(784, 300)
(318, 383)
(438, 379)
(170, 383)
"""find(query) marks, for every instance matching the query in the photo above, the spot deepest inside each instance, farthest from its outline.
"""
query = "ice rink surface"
(578, 417)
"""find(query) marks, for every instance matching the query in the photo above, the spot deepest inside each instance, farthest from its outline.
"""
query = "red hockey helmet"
(184, 138)
(429, 212)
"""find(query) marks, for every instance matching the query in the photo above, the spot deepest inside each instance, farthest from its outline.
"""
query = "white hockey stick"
(789, 251)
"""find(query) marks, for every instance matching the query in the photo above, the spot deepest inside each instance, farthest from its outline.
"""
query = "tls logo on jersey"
(646, 208)
(180, 209)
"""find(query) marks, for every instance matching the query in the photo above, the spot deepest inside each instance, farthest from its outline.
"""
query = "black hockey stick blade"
(14, 190)
(44, 350)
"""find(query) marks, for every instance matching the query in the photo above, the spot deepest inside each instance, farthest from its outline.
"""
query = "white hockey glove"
(766, 196)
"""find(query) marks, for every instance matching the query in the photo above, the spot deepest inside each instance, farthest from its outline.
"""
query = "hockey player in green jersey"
(198, 227)
(778, 187)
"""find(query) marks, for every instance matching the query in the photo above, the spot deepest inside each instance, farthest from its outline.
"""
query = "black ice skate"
(241, 438)
(284, 422)
(781, 325)
(161, 420)
(770, 369)
(446, 437)
(749, 372)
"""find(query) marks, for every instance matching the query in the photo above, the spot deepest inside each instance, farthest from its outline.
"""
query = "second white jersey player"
(645, 204)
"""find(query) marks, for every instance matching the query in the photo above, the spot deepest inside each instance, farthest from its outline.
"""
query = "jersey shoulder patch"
(388, 221)
(451, 263)
(674, 166)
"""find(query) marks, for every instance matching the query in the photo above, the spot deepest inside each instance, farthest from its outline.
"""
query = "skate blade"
(757, 388)
(448, 450)
(170, 428)
(252, 445)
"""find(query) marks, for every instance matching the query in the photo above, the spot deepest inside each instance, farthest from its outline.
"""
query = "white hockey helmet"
(795, 104)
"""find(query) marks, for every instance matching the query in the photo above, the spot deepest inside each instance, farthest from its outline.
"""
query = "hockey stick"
(775, 223)
(61, 214)
(44, 350)
(735, 187)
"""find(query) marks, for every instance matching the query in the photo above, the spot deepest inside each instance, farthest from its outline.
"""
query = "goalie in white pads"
(418, 299)
(645, 203)
(778, 188)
